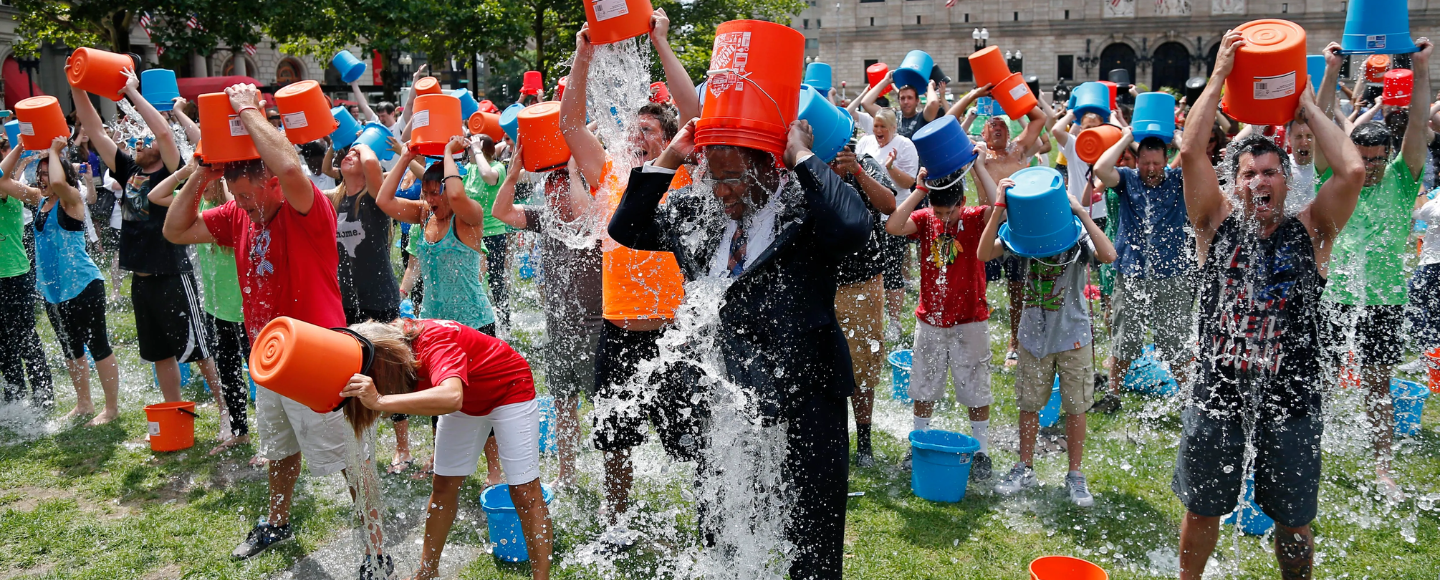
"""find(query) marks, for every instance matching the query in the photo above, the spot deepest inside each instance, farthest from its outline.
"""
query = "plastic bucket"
(1148, 376)
(987, 107)
(751, 102)
(99, 72)
(914, 71)
(900, 361)
(1014, 96)
(1377, 27)
(547, 423)
(1194, 86)
(564, 83)
(1315, 67)
(1398, 85)
(350, 67)
(377, 138)
(306, 363)
(510, 120)
(831, 126)
(1041, 223)
(246, 367)
(1154, 116)
(545, 147)
(1409, 401)
(819, 76)
(184, 374)
(1091, 143)
(659, 93)
(40, 122)
(943, 147)
(940, 464)
(1264, 87)
(488, 107)
(1091, 97)
(172, 426)
(427, 86)
(1375, 67)
(1248, 516)
(468, 104)
(876, 73)
(226, 138)
(504, 522)
(12, 132)
(483, 123)
(436, 119)
(988, 66)
(347, 129)
(159, 88)
(1050, 413)
(533, 84)
(1065, 568)
(616, 20)
(305, 112)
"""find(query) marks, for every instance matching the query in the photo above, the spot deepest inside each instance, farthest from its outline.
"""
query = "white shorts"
(460, 441)
(964, 350)
(286, 427)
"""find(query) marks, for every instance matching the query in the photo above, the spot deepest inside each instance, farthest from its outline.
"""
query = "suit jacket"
(779, 334)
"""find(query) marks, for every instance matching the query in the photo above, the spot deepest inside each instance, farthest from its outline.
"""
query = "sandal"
(1012, 358)
(399, 467)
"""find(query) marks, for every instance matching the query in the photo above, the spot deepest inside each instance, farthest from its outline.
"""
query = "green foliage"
(107, 23)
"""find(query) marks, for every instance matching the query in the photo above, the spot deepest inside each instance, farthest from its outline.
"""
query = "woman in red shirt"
(474, 383)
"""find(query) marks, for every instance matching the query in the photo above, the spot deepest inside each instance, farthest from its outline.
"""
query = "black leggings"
(232, 349)
(20, 352)
(80, 322)
(496, 247)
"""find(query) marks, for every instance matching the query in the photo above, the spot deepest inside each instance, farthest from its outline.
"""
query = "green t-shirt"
(1370, 252)
(221, 282)
(13, 260)
(482, 192)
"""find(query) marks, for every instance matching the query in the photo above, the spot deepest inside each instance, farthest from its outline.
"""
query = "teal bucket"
(831, 126)
(1409, 401)
(940, 464)
(547, 423)
(1248, 516)
(914, 71)
(468, 104)
(377, 138)
(1091, 97)
(12, 132)
(510, 120)
(350, 68)
(1377, 27)
(159, 87)
(1315, 67)
(504, 522)
(1148, 376)
(818, 75)
(1041, 223)
(900, 362)
(1050, 413)
(1154, 116)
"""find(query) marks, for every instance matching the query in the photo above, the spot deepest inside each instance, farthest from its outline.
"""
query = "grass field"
(80, 502)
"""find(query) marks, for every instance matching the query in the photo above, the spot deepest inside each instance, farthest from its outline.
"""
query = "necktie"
(737, 251)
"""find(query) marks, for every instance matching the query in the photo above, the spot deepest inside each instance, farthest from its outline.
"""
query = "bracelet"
(245, 108)
(1000, 204)
(455, 176)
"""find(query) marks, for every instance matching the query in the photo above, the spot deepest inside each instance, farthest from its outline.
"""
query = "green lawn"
(80, 502)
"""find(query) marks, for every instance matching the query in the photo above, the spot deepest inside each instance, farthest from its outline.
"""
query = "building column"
(238, 57)
(198, 66)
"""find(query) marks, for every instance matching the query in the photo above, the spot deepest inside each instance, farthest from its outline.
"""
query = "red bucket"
(533, 83)
(1398, 84)
(875, 73)
(435, 121)
(1270, 71)
(41, 121)
(752, 102)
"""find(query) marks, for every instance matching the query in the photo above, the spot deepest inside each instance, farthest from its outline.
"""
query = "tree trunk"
(539, 30)
(119, 29)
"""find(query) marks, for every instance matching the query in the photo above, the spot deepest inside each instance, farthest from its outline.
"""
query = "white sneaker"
(1020, 477)
(1413, 367)
(1079, 491)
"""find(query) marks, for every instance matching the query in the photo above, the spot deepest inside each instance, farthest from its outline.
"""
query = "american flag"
(194, 22)
(145, 22)
(249, 49)
(159, 50)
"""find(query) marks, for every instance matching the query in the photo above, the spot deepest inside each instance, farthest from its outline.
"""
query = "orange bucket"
(751, 103)
(226, 137)
(1014, 96)
(99, 72)
(1375, 67)
(482, 123)
(617, 20)
(1432, 364)
(172, 426)
(1114, 89)
(436, 119)
(427, 86)
(306, 363)
(989, 67)
(875, 73)
(1091, 143)
(545, 147)
(1065, 568)
(305, 112)
(41, 121)
(1270, 71)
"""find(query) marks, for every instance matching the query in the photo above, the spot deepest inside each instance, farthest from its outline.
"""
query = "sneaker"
(382, 567)
(905, 463)
(1108, 404)
(260, 539)
(617, 538)
(1079, 491)
(1021, 477)
(1413, 367)
(864, 459)
(980, 469)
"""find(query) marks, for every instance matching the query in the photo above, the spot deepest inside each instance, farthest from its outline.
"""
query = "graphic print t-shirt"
(952, 277)
(1055, 316)
(143, 247)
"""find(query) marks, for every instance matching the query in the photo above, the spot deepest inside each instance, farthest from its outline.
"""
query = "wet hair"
(950, 196)
(888, 116)
(71, 177)
(394, 370)
(1256, 145)
(251, 169)
(665, 115)
(1152, 144)
(312, 150)
(386, 107)
(487, 145)
(1371, 134)
(912, 89)
(435, 172)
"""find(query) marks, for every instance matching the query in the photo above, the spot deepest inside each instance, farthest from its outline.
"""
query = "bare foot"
(493, 479)
(1388, 488)
(224, 433)
(258, 462)
(104, 417)
(402, 462)
(228, 443)
(78, 411)
(1012, 359)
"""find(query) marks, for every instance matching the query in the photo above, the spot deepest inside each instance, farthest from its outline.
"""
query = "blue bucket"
(526, 270)
(1050, 413)
(914, 71)
(944, 148)
(407, 309)
(1148, 376)
(347, 128)
(12, 132)
(1377, 27)
(350, 67)
(900, 361)
(818, 76)
(246, 368)
(1251, 519)
(468, 104)
(184, 376)
(1154, 116)
(546, 405)
(832, 126)
(1091, 97)
(509, 120)
(377, 138)
(1409, 400)
(1041, 223)
(987, 107)
(159, 88)
(1315, 67)
(940, 464)
(504, 522)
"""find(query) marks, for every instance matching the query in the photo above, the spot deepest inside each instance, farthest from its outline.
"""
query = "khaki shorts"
(1164, 307)
(861, 311)
(1035, 379)
(964, 350)
(286, 427)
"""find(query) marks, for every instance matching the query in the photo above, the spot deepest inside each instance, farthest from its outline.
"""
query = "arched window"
(1170, 66)
(250, 68)
(288, 71)
(1118, 55)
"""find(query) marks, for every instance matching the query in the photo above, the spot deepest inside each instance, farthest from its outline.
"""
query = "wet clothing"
(143, 247)
(362, 238)
(636, 285)
(232, 350)
(79, 323)
(497, 273)
(492, 373)
(1423, 311)
(451, 271)
(172, 322)
(22, 360)
(1379, 339)
(484, 193)
(1367, 265)
(1211, 465)
(863, 265)
(1150, 238)
(1055, 316)
(665, 400)
(952, 277)
(62, 268)
(574, 306)
(907, 126)
(13, 261)
(219, 278)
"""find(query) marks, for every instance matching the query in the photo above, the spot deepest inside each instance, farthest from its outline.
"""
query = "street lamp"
(981, 36)
(1017, 63)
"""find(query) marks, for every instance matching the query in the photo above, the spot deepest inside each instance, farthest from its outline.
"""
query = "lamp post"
(1088, 60)
(981, 36)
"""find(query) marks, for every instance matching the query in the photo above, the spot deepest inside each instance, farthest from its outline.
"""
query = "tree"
(107, 23)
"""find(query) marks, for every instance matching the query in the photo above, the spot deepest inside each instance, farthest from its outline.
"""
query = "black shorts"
(358, 315)
(167, 318)
(1379, 339)
(1012, 268)
(1287, 465)
(622, 408)
(80, 322)
(892, 257)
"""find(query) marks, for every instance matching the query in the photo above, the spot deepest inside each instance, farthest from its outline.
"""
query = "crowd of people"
(1261, 262)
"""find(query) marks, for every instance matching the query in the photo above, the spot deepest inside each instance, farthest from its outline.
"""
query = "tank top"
(451, 271)
(1260, 323)
(62, 268)
(219, 278)
(13, 261)
(362, 237)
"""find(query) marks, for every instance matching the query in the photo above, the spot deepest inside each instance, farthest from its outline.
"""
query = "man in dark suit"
(779, 234)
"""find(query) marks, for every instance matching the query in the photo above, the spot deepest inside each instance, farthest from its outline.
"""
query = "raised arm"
(1335, 201)
(275, 151)
(370, 165)
(935, 101)
(958, 109)
(177, 112)
(1062, 128)
(682, 89)
(899, 222)
(868, 99)
(465, 208)
(182, 223)
(70, 199)
(1413, 147)
(364, 103)
(163, 194)
(504, 208)
(990, 245)
(842, 224)
(482, 163)
(1029, 139)
(164, 137)
(410, 102)
(12, 188)
(585, 147)
(1204, 202)
(636, 223)
(90, 123)
(410, 211)
(1326, 97)
(1104, 167)
(986, 182)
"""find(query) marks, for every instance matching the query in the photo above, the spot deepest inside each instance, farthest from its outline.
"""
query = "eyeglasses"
(731, 183)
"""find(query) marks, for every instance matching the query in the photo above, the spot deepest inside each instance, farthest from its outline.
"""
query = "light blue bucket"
(504, 522)
(546, 405)
(987, 107)
(468, 104)
(185, 376)
(940, 464)
(1041, 223)
(1251, 519)
(159, 87)
(831, 126)
(1409, 401)
(900, 362)
(1377, 27)
(1148, 376)
(1154, 116)
(1315, 67)
(1091, 97)
(246, 368)
(914, 71)
(346, 130)
(818, 76)
(12, 132)
(377, 138)
(350, 68)
(407, 309)
(510, 121)
(1050, 413)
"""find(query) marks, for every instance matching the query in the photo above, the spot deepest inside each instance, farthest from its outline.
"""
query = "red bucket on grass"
(754, 87)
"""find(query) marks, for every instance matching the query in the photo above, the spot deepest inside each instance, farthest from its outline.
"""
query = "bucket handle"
(368, 358)
(745, 76)
(187, 412)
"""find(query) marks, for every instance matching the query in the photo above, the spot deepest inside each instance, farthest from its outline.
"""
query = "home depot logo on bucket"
(732, 53)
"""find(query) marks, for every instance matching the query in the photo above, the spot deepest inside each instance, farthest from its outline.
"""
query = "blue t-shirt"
(1150, 238)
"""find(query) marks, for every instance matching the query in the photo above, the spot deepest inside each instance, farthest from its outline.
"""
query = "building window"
(1067, 14)
(806, 23)
(1017, 16)
(1066, 67)
(872, 21)
(1285, 8)
(964, 74)
(967, 17)
(917, 20)
(812, 43)
(818, 24)
(867, 1)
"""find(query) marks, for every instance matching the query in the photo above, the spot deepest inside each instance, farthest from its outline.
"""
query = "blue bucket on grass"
(246, 367)
(832, 127)
(1409, 400)
(547, 423)
(377, 138)
(1377, 27)
(509, 120)
(468, 104)
(1154, 116)
(900, 361)
(914, 71)
(940, 464)
(1251, 519)
(1041, 223)
(349, 66)
(944, 148)
(818, 76)
(526, 270)
(159, 88)
(184, 376)
(1148, 376)
(1050, 413)
(347, 128)
(1091, 97)
(504, 522)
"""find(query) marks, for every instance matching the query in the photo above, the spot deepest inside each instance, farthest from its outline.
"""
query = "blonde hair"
(394, 368)
(888, 116)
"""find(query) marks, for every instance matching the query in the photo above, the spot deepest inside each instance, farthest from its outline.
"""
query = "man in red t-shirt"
(951, 330)
(283, 233)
